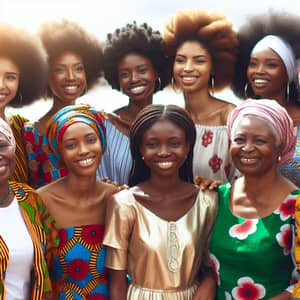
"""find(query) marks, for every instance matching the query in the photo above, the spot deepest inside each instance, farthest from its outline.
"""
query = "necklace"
(6, 199)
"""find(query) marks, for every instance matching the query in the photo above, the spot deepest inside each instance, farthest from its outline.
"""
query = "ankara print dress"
(252, 257)
(78, 271)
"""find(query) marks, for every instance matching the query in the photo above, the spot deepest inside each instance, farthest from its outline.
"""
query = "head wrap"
(58, 124)
(6, 130)
(283, 50)
(277, 116)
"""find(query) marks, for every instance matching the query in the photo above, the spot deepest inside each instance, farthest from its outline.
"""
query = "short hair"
(282, 24)
(148, 116)
(213, 30)
(27, 52)
(65, 35)
(134, 38)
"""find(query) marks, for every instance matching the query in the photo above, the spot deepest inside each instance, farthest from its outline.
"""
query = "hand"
(207, 289)
(206, 183)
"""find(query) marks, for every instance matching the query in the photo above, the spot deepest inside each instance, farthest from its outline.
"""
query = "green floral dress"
(252, 257)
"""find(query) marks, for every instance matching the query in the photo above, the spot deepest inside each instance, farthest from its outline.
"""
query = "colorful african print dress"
(78, 270)
(292, 170)
(43, 165)
(252, 257)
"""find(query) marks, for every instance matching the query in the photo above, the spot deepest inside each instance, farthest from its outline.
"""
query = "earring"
(279, 158)
(20, 98)
(177, 91)
(212, 84)
(143, 157)
(245, 90)
(158, 86)
(288, 93)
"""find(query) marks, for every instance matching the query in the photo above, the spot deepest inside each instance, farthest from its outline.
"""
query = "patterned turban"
(82, 113)
(274, 114)
(6, 130)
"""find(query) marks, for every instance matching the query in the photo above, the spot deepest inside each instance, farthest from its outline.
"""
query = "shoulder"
(107, 188)
(47, 191)
(209, 198)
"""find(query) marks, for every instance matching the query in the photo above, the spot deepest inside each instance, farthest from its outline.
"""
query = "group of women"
(163, 237)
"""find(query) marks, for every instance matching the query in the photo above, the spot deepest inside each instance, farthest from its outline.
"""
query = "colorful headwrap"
(283, 50)
(6, 130)
(69, 115)
(277, 116)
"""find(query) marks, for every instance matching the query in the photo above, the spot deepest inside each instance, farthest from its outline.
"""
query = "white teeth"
(2, 96)
(137, 89)
(260, 81)
(165, 164)
(248, 160)
(86, 162)
(188, 78)
(71, 87)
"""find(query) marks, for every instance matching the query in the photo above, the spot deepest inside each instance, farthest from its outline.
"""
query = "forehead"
(134, 59)
(194, 47)
(77, 130)
(67, 57)
(8, 65)
(163, 127)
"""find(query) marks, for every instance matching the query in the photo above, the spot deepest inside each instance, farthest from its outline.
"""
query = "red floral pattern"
(78, 269)
(286, 209)
(63, 238)
(92, 234)
(96, 297)
(207, 138)
(242, 230)
(284, 238)
(215, 163)
(248, 290)
(216, 266)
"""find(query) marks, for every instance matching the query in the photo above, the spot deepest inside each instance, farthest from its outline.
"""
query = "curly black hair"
(213, 30)
(27, 52)
(135, 38)
(144, 120)
(280, 23)
(66, 35)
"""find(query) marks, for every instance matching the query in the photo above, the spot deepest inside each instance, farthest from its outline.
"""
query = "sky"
(101, 17)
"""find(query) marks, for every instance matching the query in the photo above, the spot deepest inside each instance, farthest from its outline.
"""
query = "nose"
(247, 147)
(70, 74)
(189, 66)
(163, 150)
(83, 149)
(259, 68)
(2, 82)
(134, 76)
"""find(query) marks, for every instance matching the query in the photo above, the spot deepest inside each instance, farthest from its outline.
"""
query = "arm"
(117, 284)
(207, 288)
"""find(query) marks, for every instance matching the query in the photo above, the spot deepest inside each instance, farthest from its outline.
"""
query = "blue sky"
(101, 17)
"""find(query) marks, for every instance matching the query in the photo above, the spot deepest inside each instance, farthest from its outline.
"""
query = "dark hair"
(65, 35)
(134, 38)
(144, 120)
(27, 52)
(282, 24)
(214, 31)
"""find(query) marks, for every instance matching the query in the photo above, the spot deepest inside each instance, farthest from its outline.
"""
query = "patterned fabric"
(21, 170)
(116, 161)
(36, 218)
(60, 122)
(252, 257)
(211, 154)
(43, 165)
(141, 242)
(78, 270)
(292, 170)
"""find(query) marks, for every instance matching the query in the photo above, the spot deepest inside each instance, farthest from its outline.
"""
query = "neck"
(165, 185)
(196, 102)
(135, 106)
(5, 194)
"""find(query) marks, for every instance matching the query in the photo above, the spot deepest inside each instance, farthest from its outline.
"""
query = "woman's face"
(266, 74)
(7, 158)
(137, 77)
(192, 66)
(81, 149)
(254, 149)
(67, 79)
(9, 80)
(164, 148)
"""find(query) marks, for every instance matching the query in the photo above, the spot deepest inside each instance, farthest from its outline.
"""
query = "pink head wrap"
(6, 130)
(277, 116)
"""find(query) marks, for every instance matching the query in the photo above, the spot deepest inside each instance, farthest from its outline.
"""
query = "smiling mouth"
(2, 96)
(137, 90)
(260, 82)
(165, 164)
(189, 79)
(248, 161)
(86, 162)
(71, 89)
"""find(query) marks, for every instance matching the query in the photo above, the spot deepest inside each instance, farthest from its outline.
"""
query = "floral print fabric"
(211, 154)
(252, 257)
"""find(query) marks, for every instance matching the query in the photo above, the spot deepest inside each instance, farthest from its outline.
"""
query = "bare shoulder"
(107, 189)
(49, 191)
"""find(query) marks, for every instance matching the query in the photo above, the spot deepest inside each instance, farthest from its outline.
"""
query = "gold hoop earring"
(173, 83)
(288, 93)
(245, 90)
(158, 84)
(212, 84)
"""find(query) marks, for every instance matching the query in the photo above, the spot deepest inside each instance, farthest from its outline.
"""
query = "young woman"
(23, 77)
(75, 63)
(160, 228)
(134, 63)
(202, 47)
(251, 241)
(23, 269)
(266, 68)
(77, 203)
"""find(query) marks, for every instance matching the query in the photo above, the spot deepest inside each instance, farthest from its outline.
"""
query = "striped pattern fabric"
(116, 161)
(36, 217)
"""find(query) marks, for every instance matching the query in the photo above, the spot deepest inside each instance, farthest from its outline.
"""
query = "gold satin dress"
(162, 257)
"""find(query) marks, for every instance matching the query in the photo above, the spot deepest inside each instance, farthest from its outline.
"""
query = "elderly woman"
(134, 63)
(75, 64)
(251, 240)
(23, 77)
(266, 68)
(77, 202)
(23, 268)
